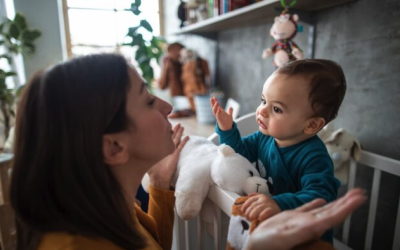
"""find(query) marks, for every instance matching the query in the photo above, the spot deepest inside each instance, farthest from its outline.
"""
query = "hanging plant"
(146, 49)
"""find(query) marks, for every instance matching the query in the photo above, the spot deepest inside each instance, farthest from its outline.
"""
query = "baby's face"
(285, 109)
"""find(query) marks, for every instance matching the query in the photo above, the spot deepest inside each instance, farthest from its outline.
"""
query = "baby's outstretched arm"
(224, 119)
(260, 206)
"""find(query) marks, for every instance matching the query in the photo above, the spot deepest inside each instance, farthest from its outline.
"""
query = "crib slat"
(217, 227)
(187, 234)
(200, 232)
(372, 209)
(396, 243)
(352, 180)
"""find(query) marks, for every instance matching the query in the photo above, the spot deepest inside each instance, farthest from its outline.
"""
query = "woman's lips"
(262, 125)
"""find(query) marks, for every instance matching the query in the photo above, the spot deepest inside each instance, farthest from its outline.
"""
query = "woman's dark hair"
(327, 84)
(60, 181)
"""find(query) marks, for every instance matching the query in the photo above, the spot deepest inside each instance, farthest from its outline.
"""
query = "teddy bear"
(341, 146)
(203, 164)
(195, 75)
(283, 31)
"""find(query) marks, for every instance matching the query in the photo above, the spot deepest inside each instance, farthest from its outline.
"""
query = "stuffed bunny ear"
(225, 150)
(334, 135)
(146, 182)
(356, 150)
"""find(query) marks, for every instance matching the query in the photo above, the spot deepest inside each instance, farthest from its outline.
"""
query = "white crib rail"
(378, 163)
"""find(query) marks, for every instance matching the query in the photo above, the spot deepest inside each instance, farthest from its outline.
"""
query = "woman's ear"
(314, 125)
(114, 150)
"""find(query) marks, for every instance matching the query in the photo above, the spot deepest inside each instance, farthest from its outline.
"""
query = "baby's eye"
(277, 110)
(263, 102)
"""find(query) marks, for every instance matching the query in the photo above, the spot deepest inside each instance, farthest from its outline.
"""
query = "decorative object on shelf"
(191, 7)
(182, 13)
(171, 70)
(147, 49)
(195, 75)
(202, 13)
(15, 38)
(283, 31)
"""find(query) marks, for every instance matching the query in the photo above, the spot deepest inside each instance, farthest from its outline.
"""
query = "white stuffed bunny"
(341, 147)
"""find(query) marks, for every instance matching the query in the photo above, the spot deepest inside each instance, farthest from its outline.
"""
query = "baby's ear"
(314, 125)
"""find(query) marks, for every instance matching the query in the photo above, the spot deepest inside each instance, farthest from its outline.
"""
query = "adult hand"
(260, 206)
(306, 223)
(224, 119)
(161, 173)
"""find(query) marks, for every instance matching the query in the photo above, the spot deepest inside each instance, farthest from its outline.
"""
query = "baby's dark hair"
(327, 84)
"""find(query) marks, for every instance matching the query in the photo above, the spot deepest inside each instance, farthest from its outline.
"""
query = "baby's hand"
(260, 206)
(224, 119)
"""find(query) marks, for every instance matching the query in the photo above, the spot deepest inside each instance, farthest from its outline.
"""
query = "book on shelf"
(216, 7)
(236, 4)
(219, 7)
(210, 8)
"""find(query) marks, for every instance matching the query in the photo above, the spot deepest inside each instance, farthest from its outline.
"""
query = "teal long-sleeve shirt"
(299, 173)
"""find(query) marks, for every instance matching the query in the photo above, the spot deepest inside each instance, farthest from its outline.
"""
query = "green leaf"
(14, 30)
(20, 20)
(10, 73)
(7, 57)
(146, 25)
(135, 9)
(30, 35)
(27, 48)
(138, 3)
(132, 31)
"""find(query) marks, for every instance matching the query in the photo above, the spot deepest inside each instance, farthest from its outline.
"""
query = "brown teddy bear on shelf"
(283, 31)
(195, 75)
(171, 70)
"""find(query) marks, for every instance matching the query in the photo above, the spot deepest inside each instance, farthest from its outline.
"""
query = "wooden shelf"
(260, 11)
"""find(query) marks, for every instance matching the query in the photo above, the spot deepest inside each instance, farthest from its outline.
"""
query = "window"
(95, 26)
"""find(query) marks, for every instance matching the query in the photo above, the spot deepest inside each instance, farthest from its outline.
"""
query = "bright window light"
(101, 25)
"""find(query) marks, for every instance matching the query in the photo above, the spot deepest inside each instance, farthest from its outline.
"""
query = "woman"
(87, 131)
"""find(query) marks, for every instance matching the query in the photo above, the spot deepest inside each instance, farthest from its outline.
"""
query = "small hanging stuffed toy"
(283, 31)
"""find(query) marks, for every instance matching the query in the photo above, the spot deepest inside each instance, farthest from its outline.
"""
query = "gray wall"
(362, 36)
(50, 47)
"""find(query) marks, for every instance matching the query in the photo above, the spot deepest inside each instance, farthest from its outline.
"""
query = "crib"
(193, 234)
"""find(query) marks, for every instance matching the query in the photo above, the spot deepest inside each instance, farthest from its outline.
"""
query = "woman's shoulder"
(67, 241)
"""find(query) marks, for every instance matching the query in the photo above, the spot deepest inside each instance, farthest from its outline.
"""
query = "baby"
(297, 101)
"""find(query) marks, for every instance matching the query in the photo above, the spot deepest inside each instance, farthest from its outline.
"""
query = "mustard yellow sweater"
(157, 226)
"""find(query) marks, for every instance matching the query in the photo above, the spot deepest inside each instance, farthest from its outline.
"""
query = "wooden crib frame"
(190, 235)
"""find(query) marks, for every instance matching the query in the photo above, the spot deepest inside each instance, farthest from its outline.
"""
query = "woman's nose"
(166, 108)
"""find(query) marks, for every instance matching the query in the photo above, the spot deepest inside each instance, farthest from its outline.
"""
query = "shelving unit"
(261, 11)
